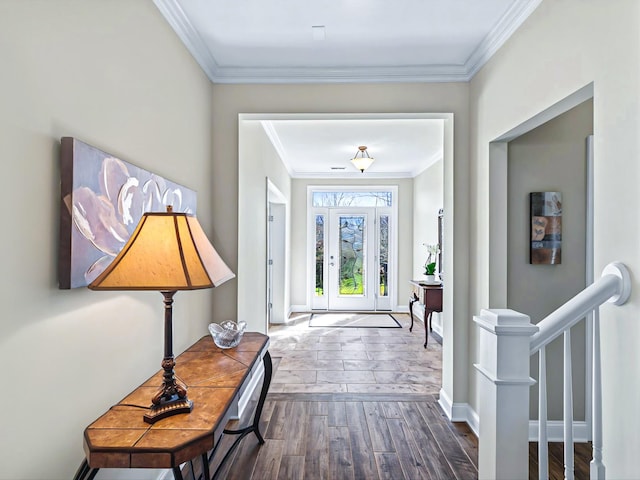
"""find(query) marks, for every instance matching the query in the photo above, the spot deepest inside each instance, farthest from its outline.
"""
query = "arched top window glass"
(352, 199)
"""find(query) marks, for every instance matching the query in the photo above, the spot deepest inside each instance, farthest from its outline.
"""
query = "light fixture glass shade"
(362, 163)
(168, 251)
(362, 160)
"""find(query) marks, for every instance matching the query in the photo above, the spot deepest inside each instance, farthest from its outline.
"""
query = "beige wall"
(84, 69)
(563, 46)
(231, 100)
(551, 157)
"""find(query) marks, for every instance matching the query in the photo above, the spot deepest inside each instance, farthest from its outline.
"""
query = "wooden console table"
(215, 379)
(429, 298)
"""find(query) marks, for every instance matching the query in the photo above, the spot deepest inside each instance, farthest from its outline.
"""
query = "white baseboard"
(437, 328)
(459, 412)
(305, 309)
(462, 412)
(134, 474)
(256, 380)
(555, 431)
(473, 420)
(446, 404)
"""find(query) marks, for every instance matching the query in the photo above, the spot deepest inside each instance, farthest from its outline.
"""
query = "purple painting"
(103, 199)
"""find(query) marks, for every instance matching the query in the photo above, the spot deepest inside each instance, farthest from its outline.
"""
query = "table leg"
(255, 427)
(82, 470)
(85, 472)
(412, 300)
(427, 318)
(205, 466)
(177, 473)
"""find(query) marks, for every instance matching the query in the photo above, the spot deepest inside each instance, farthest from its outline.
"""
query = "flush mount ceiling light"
(362, 160)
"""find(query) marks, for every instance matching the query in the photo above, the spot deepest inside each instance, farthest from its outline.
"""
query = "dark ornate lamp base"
(167, 409)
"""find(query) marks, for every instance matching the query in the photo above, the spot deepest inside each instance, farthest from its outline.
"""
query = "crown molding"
(175, 16)
(515, 16)
(399, 74)
(274, 138)
(439, 155)
(352, 175)
(506, 26)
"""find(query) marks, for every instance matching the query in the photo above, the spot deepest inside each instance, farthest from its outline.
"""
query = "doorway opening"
(352, 247)
(560, 131)
(277, 258)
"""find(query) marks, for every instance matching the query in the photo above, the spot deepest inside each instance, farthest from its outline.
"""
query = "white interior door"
(351, 259)
(277, 282)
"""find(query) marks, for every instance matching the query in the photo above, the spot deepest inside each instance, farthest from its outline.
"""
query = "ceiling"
(341, 41)
(276, 41)
(323, 147)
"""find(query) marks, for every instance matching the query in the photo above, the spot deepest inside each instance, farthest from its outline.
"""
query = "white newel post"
(504, 384)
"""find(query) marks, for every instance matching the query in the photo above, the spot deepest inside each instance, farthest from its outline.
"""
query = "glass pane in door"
(384, 255)
(352, 255)
(319, 291)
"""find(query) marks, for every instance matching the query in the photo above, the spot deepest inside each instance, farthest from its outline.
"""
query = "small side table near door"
(426, 299)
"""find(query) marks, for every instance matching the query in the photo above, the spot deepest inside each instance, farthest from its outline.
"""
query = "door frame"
(456, 328)
(392, 212)
(498, 224)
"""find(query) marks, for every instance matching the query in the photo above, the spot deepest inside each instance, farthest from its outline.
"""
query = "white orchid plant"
(430, 264)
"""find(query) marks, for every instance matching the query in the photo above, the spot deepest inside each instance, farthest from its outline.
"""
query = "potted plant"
(430, 264)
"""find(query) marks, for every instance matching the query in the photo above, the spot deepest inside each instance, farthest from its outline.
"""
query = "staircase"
(507, 340)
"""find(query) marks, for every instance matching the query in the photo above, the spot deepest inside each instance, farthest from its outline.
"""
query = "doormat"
(354, 320)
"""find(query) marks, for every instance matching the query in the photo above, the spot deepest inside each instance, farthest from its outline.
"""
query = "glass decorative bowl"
(228, 333)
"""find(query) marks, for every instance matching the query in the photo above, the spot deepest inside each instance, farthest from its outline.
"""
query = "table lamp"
(167, 252)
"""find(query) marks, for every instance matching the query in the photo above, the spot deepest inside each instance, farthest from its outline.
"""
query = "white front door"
(351, 259)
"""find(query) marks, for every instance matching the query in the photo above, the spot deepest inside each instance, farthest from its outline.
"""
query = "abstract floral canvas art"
(103, 199)
(546, 228)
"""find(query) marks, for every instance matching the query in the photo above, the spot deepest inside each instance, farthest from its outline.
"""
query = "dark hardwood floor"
(320, 421)
(352, 436)
(582, 457)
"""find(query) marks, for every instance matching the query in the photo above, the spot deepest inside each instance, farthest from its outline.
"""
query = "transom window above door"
(352, 199)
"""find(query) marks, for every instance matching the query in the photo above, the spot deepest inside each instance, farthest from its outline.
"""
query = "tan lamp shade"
(168, 251)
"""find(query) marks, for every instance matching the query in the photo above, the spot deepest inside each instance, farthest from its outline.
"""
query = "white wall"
(112, 74)
(563, 46)
(428, 195)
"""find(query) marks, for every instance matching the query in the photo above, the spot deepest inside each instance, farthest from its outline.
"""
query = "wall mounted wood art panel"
(546, 228)
(102, 201)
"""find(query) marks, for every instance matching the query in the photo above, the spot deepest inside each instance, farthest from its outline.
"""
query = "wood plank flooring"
(357, 404)
(582, 458)
(324, 436)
